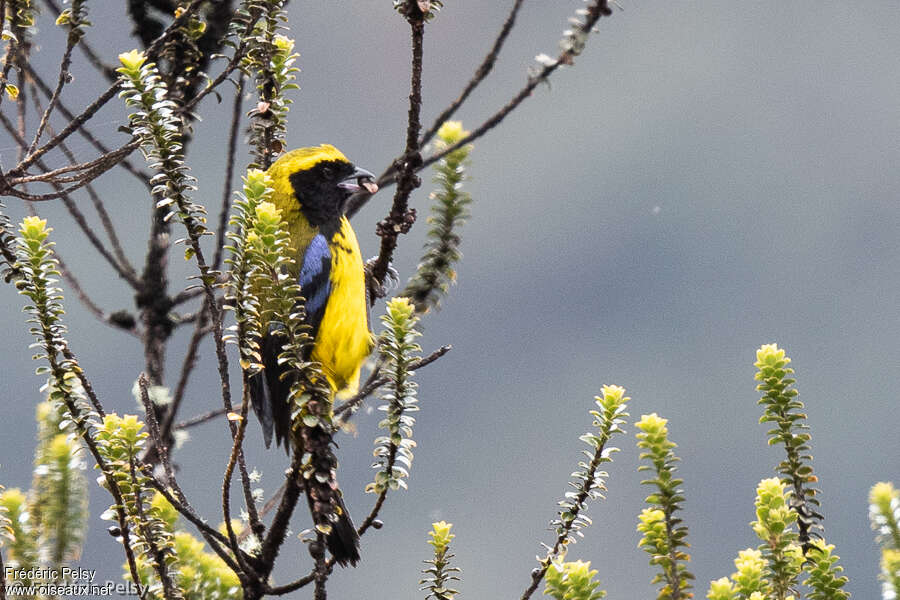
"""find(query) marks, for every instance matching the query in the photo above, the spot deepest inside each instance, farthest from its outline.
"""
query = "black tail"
(269, 393)
(343, 541)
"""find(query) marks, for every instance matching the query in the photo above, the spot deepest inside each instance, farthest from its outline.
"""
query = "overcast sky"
(709, 177)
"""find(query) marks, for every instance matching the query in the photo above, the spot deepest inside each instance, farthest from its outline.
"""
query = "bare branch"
(64, 63)
(401, 217)
(227, 192)
(108, 71)
(105, 97)
(126, 164)
(375, 382)
(481, 73)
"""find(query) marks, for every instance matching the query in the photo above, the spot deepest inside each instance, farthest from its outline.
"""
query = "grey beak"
(352, 182)
(361, 173)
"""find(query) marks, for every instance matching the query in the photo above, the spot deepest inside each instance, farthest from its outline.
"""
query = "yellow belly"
(343, 341)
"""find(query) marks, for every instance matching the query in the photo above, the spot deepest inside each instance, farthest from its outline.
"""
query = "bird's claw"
(377, 289)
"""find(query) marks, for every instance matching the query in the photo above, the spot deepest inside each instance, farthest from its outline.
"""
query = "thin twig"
(64, 63)
(216, 540)
(481, 73)
(126, 164)
(105, 219)
(199, 419)
(277, 531)
(55, 175)
(105, 97)
(236, 449)
(227, 193)
(86, 300)
(187, 367)
(124, 272)
(108, 71)
(153, 425)
(598, 9)
(373, 383)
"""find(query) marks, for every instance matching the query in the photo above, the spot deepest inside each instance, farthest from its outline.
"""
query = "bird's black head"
(323, 186)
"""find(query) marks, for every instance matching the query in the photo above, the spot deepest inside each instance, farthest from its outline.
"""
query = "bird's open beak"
(358, 180)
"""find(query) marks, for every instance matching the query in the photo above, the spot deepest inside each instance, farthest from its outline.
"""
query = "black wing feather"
(269, 390)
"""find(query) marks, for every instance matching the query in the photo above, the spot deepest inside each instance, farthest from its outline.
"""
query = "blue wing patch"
(315, 280)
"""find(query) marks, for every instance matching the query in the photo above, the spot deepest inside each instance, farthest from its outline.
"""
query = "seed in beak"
(369, 185)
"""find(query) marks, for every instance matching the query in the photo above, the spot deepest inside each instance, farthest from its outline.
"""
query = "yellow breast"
(343, 341)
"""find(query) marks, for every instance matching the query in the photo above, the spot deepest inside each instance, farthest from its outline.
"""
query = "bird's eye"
(328, 172)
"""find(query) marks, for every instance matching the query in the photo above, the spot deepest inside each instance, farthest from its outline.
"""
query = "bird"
(311, 187)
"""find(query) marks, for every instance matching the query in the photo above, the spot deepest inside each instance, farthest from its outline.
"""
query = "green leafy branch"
(435, 272)
(39, 271)
(239, 294)
(58, 503)
(774, 518)
(120, 441)
(398, 348)
(157, 125)
(884, 514)
(664, 536)
(783, 410)
(775, 569)
(269, 59)
(439, 573)
(573, 581)
(201, 575)
(587, 481)
(8, 261)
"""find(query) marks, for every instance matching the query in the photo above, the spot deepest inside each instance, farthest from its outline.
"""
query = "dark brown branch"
(126, 164)
(181, 504)
(187, 367)
(216, 540)
(596, 10)
(201, 329)
(56, 175)
(105, 97)
(105, 219)
(401, 217)
(79, 218)
(280, 522)
(481, 73)
(100, 167)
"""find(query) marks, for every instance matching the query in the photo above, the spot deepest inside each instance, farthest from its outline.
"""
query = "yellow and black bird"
(311, 188)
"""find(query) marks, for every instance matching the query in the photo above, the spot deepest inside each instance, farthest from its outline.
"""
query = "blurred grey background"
(709, 177)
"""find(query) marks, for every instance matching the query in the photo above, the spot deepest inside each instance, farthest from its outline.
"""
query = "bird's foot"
(373, 286)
